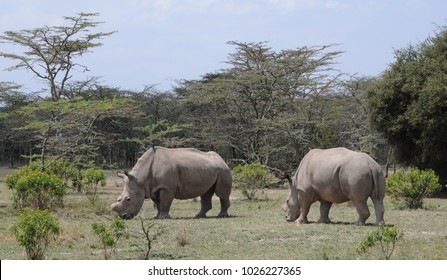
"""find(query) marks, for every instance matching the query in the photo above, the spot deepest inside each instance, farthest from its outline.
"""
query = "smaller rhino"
(335, 176)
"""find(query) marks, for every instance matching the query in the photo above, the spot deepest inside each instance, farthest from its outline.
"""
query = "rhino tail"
(378, 191)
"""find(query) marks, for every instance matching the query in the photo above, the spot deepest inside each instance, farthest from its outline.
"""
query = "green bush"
(34, 230)
(66, 170)
(412, 187)
(91, 179)
(386, 235)
(63, 168)
(109, 235)
(95, 177)
(11, 179)
(36, 189)
(251, 178)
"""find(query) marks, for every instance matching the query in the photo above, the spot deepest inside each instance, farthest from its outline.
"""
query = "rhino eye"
(127, 198)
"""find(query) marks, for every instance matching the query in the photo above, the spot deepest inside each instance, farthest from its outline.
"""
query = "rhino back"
(187, 172)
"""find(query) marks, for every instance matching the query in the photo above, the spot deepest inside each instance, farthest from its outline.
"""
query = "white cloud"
(290, 5)
(334, 5)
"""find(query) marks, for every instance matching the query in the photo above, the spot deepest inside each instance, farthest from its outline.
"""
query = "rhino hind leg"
(205, 203)
(224, 205)
(325, 206)
(380, 210)
(223, 190)
(363, 211)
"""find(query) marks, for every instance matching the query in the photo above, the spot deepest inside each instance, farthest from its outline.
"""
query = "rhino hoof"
(324, 221)
(223, 215)
(161, 217)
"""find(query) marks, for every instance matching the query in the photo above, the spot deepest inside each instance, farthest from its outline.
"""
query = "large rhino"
(163, 174)
(334, 176)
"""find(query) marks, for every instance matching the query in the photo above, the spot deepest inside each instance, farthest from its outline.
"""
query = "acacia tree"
(63, 125)
(50, 52)
(13, 141)
(264, 103)
(351, 113)
(409, 104)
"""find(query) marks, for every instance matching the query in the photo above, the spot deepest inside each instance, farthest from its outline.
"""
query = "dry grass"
(255, 230)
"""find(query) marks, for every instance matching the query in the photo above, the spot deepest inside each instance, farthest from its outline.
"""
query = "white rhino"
(163, 174)
(334, 176)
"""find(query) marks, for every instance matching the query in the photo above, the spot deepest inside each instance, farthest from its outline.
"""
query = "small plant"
(110, 235)
(386, 235)
(412, 187)
(150, 239)
(34, 230)
(36, 189)
(251, 178)
(92, 179)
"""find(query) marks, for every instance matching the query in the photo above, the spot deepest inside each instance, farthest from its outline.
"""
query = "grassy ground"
(255, 230)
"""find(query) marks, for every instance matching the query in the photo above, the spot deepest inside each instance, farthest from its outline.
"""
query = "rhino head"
(130, 201)
(292, 206)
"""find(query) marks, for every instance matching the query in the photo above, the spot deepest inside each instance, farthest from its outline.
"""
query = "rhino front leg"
(156, 201)
(302, 219)
(325, 206)
(166, 198)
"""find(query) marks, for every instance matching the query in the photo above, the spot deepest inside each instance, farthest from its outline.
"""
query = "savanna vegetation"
(257, 229)
(267, 108)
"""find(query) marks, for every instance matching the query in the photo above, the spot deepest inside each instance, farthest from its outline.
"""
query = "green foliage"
(11, 179)
(50, 52)
(268, 106)
(251, 178)
(63, 168)
(34, 230)
(110, 235)
(412, 187)
(35, 189)
(387, 236)
(409, 104)
(92, 178)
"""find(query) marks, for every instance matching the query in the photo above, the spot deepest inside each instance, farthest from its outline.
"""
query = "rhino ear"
(125, 175)
(130, 176)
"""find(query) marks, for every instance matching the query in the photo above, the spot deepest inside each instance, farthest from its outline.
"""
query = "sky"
(161, 42)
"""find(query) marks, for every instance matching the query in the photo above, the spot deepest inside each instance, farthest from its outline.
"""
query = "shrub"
(36, 189)
(34, 230)
(412, 187)
(251, 178)
(386, 235)
(63, 168)
(91, 179)
(11, 179)
(109, 235)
